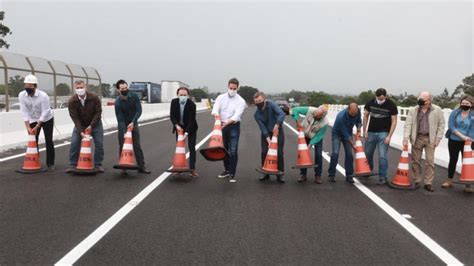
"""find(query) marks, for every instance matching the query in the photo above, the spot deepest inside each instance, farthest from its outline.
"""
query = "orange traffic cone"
(180, 163)
(85, 164)
(127, 157)
(362, 168)
(270, 165)
(402, 177)
(31, 163)
(467, 170)
(304, 157)
(216, 150)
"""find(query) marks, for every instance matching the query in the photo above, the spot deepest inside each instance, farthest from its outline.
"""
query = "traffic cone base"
(31, 162)
(78, 171)
(265, 172)
(214, 153)
(27, 171)
(127, 156)
(178, 170)
(304, 166)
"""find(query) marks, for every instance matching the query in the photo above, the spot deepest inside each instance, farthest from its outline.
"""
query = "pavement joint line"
(78, 251)
(105, 134)
(423, 238)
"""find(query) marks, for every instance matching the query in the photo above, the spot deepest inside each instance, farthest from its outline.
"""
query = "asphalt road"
(207, 220)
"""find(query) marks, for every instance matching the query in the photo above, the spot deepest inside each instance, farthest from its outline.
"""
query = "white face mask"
(81, 92)
(379, 102)
(232, 93)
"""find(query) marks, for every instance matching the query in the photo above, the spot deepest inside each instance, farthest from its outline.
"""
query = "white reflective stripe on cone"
(403, 166)
(127, 146)
(360, 155)
(302, 147)
(31, 150)
(180, 150)
(274, 140)
(180, 137)
(217, 132)
(405, 154)
(128, 134)
(358, 143)
(86, 150)
(301, 134)
(272, 152)
(31, 138)
(217, 123)
(468, 161)
(467, 148)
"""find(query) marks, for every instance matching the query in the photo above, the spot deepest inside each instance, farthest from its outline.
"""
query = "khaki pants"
(423, 142)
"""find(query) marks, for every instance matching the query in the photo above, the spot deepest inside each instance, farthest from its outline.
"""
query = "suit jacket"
(189, 118)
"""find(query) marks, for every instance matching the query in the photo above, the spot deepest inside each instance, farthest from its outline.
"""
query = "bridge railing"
(54, 77)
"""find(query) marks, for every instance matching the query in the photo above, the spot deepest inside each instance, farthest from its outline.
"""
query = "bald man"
(342, 133)
(424, 128)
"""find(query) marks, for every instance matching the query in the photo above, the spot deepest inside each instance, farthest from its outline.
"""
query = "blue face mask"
(29, 91)
(183, 99)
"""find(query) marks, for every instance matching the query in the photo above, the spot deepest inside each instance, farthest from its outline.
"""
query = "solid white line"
(79, 250)
(429, 243)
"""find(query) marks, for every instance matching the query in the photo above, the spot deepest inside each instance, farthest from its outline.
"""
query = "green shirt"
(303, 110)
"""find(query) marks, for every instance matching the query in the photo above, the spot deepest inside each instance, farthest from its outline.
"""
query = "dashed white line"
(424, 239)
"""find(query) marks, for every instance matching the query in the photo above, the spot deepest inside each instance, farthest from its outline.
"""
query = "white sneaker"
(223, 174)
(232, 179)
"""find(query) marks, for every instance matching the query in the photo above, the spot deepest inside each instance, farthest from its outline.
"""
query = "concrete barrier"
(13, 133)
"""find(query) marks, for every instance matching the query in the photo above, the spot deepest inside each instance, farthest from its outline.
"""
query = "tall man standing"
(85, 111)
(37, 114)
(342, 133)
(383, 121)
(270, 117)
(183, 117)
(424, 128)
(128, 110)
(230, 107)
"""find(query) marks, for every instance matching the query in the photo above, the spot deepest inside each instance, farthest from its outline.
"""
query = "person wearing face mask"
(230, 106)
(183, 117)
(315, 123)
(383, 121)
(85, 110)
(37, 114)
(424, 128)
(342, 133)
(270, 117)
(128, 110)
(461, 129)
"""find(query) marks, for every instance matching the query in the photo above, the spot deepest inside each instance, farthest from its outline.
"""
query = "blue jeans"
(375, 139)
(318, 158)
(98, 137)
(348, 160)
(230, 135)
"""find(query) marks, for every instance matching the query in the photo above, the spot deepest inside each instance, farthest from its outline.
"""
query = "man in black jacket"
(183, 116)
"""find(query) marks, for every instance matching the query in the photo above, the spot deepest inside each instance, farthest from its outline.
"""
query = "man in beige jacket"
(424, 128)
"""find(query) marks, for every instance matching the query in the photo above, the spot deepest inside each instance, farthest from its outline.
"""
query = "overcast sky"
(335, 47)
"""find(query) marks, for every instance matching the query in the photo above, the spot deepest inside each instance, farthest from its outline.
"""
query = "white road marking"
(424, 239)
(86, 244)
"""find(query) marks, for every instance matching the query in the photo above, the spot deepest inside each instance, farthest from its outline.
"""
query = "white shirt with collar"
(229, 108)
(83, 100)
(35, 108)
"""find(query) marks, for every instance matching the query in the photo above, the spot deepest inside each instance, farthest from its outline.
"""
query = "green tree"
(365, 96)
(62, 89)
(247, 93)
(444, 100)
(467, 86)
(319, 98)
(4, 31)
(347, 100)
(199, 93)
(107, 91)
(299, 96)
(15, 85)
(409, 101)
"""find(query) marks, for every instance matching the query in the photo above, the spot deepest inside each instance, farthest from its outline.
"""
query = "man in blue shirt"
(128, 109)
(342, 132)
(270, 117)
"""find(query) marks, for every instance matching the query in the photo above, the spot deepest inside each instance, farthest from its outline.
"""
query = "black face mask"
(29, 91)
(465, 107)
(124, 93)
(421, 102)
(260, 105)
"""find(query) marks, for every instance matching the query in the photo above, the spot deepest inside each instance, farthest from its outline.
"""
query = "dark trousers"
(318, 158)
(191, 139)
(137, 149)
(281, 144)
(47, 127)
(230, 136)
(455, 147)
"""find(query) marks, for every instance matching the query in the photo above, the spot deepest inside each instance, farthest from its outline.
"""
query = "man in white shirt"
(230, 106)
(37, 114)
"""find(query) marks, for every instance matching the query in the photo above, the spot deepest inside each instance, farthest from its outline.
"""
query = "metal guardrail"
(71, 72)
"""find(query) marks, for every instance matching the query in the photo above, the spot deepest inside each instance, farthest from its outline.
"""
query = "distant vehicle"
(292, 102)
(147, 91)
(169, 88)
(283, 105)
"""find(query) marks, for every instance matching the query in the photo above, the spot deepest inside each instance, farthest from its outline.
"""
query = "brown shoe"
(448, 183)
(193, 174)
(429, 188)
(417, 185)
(99, 169)
(468, 189)
(302, 178)
(317, 180)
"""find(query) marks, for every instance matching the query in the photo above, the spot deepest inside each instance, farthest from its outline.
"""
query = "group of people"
(424, 129)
